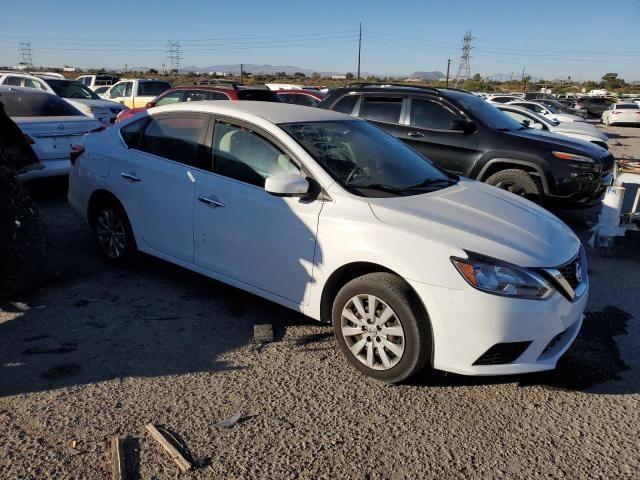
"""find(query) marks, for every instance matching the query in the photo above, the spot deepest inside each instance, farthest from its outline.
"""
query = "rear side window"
(217, 96)
(23, 104)
(287, 98)
(346, 104)
(307, 100)
(380, 109)
(15, 81)
(131, 133)
(178, 138)
(432, 115)
(195, 95)
(152, 89)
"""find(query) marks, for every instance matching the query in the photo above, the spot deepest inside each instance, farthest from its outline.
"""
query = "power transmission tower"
(174, 56)
(464, 69)
(24, 52)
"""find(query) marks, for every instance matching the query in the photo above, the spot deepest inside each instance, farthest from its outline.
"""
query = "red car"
(195, 93)
(309, 98)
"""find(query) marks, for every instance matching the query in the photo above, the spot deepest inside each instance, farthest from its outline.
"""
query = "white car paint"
(286, 249)
(578, 130)
(545, 111)
(622, 113)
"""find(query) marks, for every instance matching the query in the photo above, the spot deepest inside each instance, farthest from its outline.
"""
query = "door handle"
(415, 134)
(210, 201)
(129, 176)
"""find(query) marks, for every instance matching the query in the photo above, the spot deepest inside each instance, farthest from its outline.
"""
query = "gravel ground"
(100, 351)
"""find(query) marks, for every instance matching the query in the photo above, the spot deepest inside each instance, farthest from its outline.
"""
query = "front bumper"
(467, 323)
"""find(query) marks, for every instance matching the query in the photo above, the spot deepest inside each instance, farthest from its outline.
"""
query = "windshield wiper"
(429, 182)
(376, 186)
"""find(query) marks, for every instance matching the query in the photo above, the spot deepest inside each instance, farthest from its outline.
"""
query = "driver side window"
(244, 155)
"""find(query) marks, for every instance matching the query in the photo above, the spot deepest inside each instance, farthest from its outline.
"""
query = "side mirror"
(463, 126)
(150, 105)
(287, 185)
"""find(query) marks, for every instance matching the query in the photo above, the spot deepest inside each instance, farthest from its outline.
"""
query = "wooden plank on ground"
(117, 459)
(172, 451)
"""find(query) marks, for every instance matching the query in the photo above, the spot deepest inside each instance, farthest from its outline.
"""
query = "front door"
(161, 179)
(244, 233)
(429, 132)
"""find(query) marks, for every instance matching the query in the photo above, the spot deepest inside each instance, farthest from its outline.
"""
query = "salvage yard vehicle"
(623, 113)
(549, 111)
(95, 81)
(308, 98)
(579, 130)
(49, 124)
(595, 106)
(468, 136)
(136, 93)
(331, 216)
(196, 93)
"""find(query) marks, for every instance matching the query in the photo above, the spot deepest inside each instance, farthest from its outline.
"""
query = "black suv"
(467, 136)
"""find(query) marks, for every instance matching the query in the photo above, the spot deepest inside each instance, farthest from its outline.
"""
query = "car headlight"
(502, 278)
(572, 157)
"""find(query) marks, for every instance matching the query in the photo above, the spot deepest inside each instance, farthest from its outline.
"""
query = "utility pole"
(241, 73)
(523, 79)
(448, 65)
(24, 52)
(359, 49)
(464, 69)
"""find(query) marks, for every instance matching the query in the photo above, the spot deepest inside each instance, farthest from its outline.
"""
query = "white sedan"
(578, 130)
(331, 216)
(622, 113)
(547, 111)
(50, 125)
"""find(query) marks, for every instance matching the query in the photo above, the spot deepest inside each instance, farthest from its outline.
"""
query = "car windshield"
(366, 160)
(488, 114)
(23, 104)
(72, 89)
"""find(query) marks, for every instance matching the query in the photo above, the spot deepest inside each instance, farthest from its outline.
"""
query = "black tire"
(22, 241)
(517, 182)
(408, 312)
(112, 232)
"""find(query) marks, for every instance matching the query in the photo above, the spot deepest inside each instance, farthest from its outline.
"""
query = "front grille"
(568, 271)
(502, 353)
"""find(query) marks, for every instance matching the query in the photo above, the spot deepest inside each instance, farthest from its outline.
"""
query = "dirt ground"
(99, 351)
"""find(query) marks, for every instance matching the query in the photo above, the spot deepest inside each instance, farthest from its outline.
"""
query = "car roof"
(271, 111)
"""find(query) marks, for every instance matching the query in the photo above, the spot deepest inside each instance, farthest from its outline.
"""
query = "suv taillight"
(76, 151)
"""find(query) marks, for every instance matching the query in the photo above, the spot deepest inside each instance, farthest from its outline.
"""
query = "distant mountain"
(436, 75)
(251, 68)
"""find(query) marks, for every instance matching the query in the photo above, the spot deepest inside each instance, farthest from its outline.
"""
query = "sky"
(583, 39)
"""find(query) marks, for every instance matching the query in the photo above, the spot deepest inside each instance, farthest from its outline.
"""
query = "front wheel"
(517, 182)
(381, 327)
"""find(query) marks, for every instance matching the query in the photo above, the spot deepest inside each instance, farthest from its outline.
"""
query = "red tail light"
(99, 129)
(76, 151)
(29, 139)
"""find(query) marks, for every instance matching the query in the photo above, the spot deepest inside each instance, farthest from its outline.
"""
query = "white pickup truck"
(136, 93)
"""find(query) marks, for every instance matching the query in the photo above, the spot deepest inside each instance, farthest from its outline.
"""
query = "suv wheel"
(517, 182)
(113, 233)
(381, 328)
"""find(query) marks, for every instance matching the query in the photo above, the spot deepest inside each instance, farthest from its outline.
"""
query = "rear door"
(429, 131)
(158, 176)
(383, 111)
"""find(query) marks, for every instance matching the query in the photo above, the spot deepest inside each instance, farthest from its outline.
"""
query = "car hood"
(106, 104)
(555, 141)
(480, 218)
(582, 128)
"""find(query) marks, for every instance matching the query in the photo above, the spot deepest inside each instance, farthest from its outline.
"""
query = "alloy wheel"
(373, 332)
(512, 187)
(111, 234)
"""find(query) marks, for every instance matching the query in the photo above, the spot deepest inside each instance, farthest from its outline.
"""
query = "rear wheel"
(381, 327)
(113, 233)
(517, 182)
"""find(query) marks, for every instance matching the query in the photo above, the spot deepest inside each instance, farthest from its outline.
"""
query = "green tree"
(349, 76)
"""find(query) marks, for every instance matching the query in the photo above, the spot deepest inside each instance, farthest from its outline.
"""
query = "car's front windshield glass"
(541, 119)
(67, 89)
(366, 160)
(486, 113)
(552, 108)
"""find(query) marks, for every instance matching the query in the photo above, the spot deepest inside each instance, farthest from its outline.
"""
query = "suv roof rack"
(385, 85)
